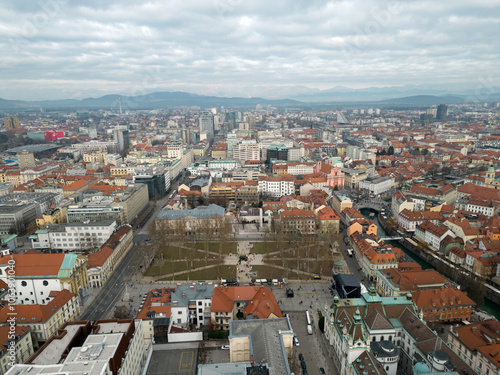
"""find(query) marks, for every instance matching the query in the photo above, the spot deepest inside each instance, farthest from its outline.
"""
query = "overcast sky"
(54, 49)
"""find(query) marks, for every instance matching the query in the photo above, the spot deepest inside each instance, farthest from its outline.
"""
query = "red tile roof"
(36, 313)
(29, 265)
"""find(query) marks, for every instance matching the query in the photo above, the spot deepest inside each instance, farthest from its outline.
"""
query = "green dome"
(421, 368)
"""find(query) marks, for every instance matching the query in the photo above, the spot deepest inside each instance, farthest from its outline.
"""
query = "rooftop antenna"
(120, 102)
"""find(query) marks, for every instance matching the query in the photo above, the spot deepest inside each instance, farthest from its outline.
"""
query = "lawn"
(263, 247)
(229, 247)
(270, 272)
(210, 274)
(170, 267)
(323, 267)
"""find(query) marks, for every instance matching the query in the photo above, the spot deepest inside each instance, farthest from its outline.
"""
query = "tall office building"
(442, 112)
(207, 124)
(122, 139)
(231, 120)
(11, 123)
(25, 159)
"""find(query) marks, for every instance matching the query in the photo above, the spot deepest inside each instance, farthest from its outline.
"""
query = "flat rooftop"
(96, 348)
(265, 341)
(33, 148)
(53, 352)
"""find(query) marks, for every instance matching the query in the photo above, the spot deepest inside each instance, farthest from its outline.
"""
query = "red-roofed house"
(443, 305)
(329, 221)
(478, 344)
(298, 221)
(44, 320)
(237, 302)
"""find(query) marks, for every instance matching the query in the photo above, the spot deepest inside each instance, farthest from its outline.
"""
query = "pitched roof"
(261, 301)
(41, 265)
(37, 313)
(441, 298)
(98, 258)
(263, 305)
(158, 302)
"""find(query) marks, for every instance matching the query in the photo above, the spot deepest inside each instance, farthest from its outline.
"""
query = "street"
(101, 305)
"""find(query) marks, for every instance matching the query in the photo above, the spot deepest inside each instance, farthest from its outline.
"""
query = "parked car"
(303, 364)
(225, 347)
(296, 341)
(301, 357)
(322, 370)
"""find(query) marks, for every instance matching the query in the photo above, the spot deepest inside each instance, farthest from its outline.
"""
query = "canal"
(488, 306)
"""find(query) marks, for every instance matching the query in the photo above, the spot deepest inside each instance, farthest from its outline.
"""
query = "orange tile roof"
(98, 258)
(263, 305)
(40, 265)
(76, 185)
(441, 298)
(157, 301)
(261, 301)
(478, 336)
(296, 213)
(36, 313)
(327, 213)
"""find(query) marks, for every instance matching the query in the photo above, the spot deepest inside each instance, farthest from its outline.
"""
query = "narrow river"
(488, 306)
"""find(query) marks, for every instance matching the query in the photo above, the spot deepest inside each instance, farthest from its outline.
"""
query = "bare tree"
(121, 312)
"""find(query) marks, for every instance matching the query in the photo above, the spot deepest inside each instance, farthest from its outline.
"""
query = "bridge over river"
(372, 204)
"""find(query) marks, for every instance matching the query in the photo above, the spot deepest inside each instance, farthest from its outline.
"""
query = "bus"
(309, 327)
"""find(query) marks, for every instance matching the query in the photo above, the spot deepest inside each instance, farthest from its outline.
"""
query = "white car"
(296, 341)
(225, 347)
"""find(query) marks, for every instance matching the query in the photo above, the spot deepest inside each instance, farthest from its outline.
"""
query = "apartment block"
(73, 236)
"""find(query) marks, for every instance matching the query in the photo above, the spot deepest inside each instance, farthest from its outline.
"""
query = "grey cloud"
(238, 46)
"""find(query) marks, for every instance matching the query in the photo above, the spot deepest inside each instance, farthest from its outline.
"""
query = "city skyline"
(56, 49)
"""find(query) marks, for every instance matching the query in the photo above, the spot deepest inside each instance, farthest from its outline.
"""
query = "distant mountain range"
(386, 96)
(407, 94)
(156, 100)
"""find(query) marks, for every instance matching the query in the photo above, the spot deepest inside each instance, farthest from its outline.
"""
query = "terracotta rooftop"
(37, 313)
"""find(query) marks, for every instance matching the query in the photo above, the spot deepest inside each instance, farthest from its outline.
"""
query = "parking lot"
(212, 352)
(174, 360)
